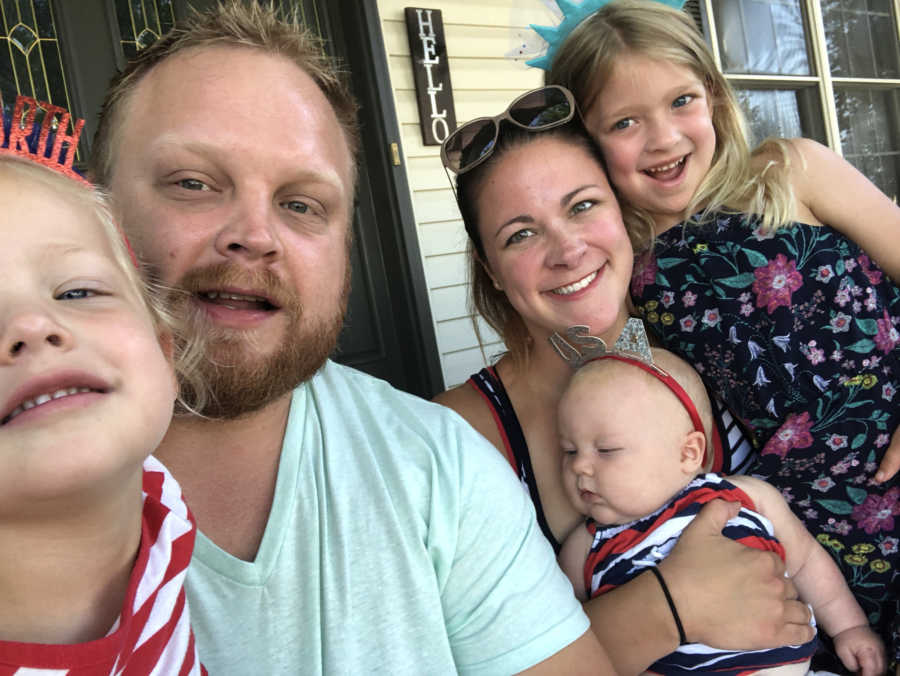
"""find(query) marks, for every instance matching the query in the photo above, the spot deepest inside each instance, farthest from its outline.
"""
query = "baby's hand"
(861, 651)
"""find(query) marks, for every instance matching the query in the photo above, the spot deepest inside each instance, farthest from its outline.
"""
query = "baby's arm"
(572, 557)
(819, 581)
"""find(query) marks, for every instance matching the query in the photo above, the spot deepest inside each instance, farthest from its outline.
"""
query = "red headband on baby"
(669, 382)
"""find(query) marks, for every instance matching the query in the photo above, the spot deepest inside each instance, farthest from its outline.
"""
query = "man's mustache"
(263, 283)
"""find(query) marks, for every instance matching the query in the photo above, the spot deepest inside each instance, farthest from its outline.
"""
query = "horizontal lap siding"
(479, 33)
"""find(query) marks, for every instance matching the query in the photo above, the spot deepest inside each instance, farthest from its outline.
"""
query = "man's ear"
(693, 450)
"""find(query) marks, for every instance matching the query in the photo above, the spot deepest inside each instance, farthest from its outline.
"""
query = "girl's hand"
(890, 463)
(731, 596)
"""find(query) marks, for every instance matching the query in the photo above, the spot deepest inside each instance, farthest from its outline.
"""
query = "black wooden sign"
(434, 93)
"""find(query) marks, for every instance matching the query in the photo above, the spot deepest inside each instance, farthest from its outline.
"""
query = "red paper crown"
(24, 138)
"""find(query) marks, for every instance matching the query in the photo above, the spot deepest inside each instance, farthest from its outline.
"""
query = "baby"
(633, 436)
(94, 536)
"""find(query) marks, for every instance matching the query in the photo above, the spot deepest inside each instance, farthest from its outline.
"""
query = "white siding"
(479, 33)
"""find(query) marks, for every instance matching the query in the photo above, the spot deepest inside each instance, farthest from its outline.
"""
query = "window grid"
(827, 85)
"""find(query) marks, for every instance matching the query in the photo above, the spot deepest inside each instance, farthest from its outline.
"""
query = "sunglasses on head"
(537, 110)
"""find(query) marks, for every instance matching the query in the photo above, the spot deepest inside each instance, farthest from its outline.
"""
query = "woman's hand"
(728, 595)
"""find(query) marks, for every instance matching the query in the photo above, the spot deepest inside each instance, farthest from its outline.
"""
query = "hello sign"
(434, 93)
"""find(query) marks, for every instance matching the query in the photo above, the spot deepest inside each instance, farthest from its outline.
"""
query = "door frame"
(356, 26)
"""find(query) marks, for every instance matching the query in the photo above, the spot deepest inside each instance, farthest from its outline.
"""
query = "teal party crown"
(573, 15)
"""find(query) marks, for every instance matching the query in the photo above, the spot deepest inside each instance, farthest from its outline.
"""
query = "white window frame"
(823, 81)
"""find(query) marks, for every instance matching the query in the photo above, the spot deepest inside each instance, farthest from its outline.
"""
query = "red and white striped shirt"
(153, 633)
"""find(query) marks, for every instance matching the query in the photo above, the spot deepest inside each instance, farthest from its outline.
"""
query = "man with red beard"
(346, 527)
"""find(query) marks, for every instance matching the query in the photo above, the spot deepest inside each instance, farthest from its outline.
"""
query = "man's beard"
(236, 378)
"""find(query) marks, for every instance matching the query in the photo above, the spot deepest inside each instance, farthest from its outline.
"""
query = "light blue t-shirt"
(399, 542)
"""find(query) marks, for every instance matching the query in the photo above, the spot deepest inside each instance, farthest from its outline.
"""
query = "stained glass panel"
(30, 58)
(142, 22)
(306, 10)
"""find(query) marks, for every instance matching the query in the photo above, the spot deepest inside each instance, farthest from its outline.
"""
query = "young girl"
(94, 535)
(754, 270)
(640, 485)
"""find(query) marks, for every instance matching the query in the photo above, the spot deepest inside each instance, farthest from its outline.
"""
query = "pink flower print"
(816, 355)
(644, 273)
(837, 355)
(667, 298)
(746, 309)
(850, 265)
(881, 440)
(887, 336)
(824, 273)
(841, 527)
(877, 512)
(842, 297)
(874, 276)
(689, 298)
(712, 317)
(688, 324)
(840, 468)
(888, 390)
(794, 433)
(822, 484)
(776, 282)
(840, 323)
(888, 546)
(745, 297)
(836, 441)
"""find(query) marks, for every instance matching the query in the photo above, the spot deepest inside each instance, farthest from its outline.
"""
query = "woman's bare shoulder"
(468, 402)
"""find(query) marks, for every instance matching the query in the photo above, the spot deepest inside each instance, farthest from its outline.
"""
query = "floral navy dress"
(797, 330)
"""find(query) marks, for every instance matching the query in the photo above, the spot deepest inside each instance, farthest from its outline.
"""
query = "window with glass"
(823, 69)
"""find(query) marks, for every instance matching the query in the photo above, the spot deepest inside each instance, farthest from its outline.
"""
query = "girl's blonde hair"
(585, 61)
(186, 354)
